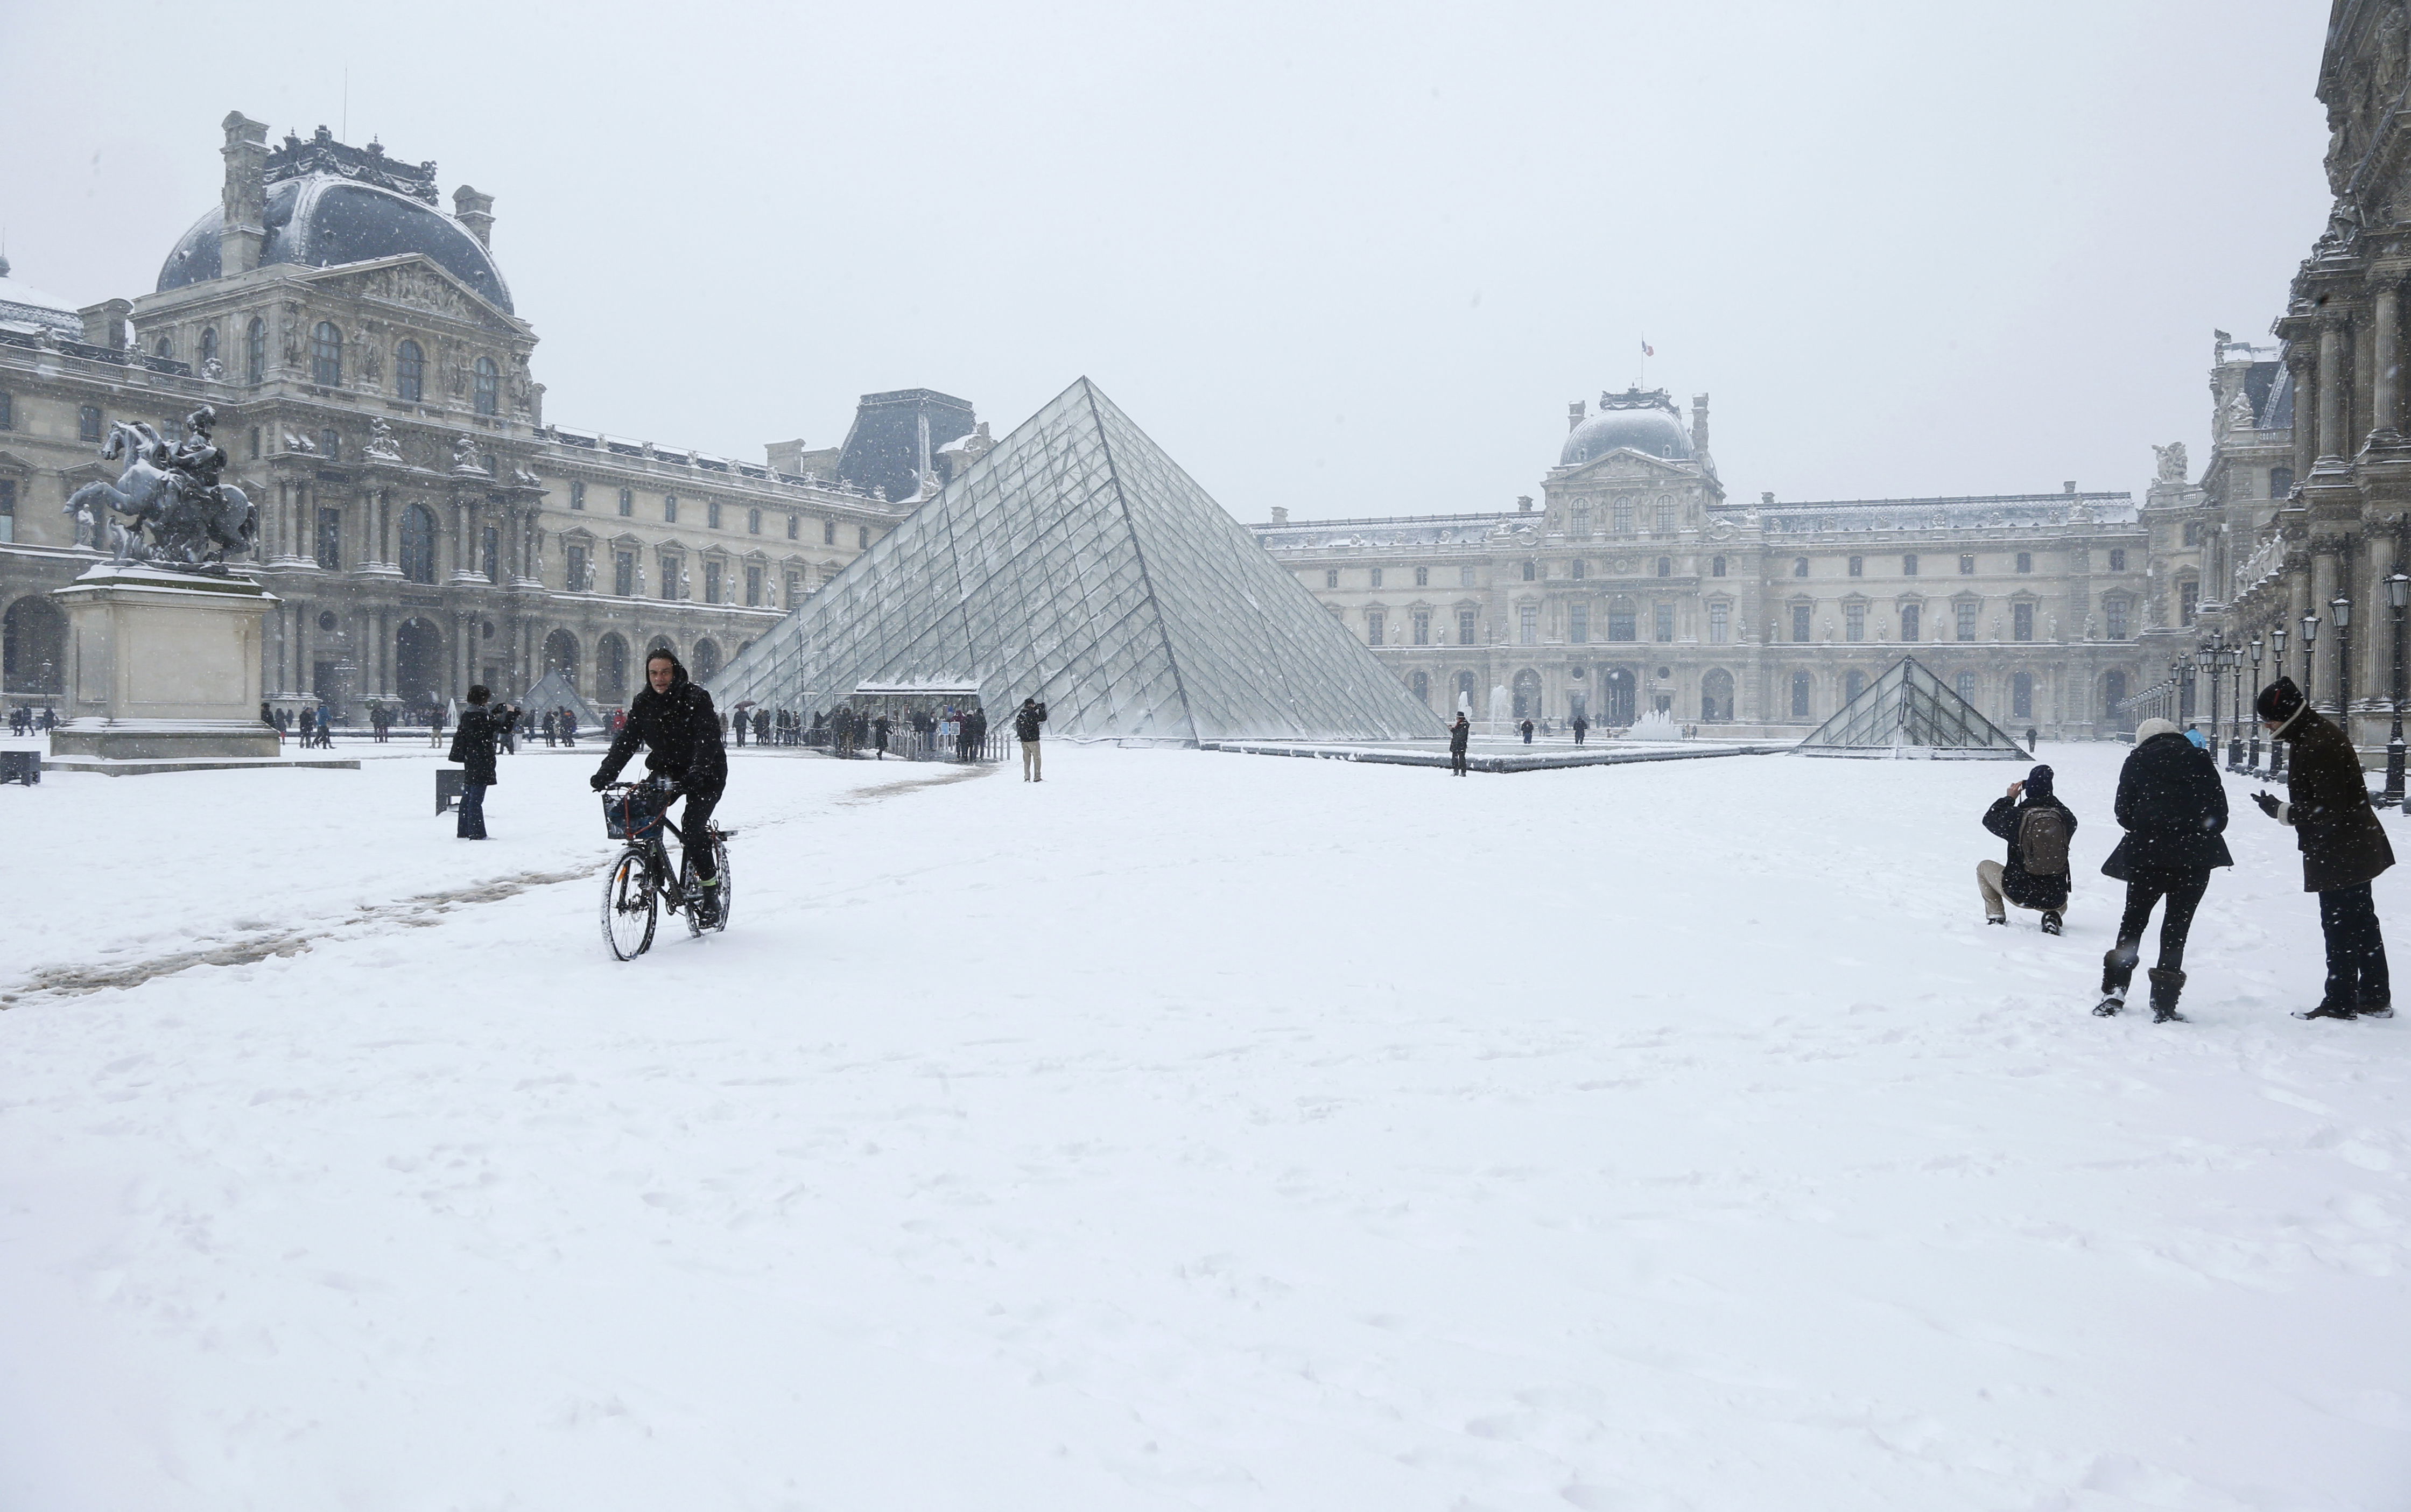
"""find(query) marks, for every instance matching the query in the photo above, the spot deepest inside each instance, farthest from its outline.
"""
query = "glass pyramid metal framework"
(1077, 564)
(1908, 711)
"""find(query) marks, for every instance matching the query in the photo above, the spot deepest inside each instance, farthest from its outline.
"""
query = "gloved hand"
(2274, 808)
(598, 782)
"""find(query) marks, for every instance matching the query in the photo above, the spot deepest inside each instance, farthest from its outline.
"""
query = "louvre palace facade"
(2307, 517)
(421, 522)
(1635, 584)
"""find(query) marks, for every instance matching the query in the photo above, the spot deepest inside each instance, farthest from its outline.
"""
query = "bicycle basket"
(636, 814)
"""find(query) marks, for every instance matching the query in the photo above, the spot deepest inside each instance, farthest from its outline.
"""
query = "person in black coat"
(674, 721)
(1527, 732)
(1458, 733)
(2173, 807)
(1027, 722)
(2011, 882)
(473, 747)
(2344, 849)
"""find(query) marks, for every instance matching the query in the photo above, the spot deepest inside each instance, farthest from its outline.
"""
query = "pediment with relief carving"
(420, 284)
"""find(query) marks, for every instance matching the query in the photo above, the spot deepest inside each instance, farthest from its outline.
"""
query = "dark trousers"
(473, 811)
(695, 824)
(2184, 894)
(2355, 950)
(1456, 762)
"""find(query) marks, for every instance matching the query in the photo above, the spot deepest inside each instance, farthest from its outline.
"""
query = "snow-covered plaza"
(1188, 1131)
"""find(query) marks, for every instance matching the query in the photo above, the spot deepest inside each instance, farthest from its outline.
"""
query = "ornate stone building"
(423, 524)
(2309, 500)
(1635, 584)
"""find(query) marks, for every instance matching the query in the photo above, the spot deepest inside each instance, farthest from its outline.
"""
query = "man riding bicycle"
(673, 720)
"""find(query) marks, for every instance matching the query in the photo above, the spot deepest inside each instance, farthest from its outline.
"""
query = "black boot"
(2327, 1010)
(2166, 986)
(2050, 920)
(2117, 970)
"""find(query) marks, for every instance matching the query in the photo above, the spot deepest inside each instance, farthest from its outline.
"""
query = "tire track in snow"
(417, 912)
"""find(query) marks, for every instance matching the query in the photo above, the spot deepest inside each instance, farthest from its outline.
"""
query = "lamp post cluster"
(2217, 661)
(2398, 593)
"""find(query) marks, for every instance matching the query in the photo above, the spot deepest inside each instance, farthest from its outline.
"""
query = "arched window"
(707, 661)
(1665, 566)
(2114, 693)
(1620, 517)
(488, 386)
(1465, 690)
(611, 670)
(166, 348)
(561, 655)
(1421, 683)
(325, 354)
(2022, 696)
(1911, 621)
(1965, 685)
(418, 544)
(209, 344)
(1799, 566)
(410, 371)
(1800, 695)
(255, 351)
(1665, 513)
(1621, 620)
(1717, 695)
(1854, 682)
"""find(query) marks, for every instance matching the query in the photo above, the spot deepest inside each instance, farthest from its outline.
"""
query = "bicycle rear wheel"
(727, 879)
(629, 906)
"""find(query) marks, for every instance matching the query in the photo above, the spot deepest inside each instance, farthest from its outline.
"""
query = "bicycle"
(641, 882)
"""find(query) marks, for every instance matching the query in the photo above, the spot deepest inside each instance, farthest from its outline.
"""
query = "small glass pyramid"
(1077, 564)
(1908, 711)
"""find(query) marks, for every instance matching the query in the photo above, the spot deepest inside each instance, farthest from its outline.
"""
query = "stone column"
(2386, 378)
(2332, 418)
(2298, 364)
(2361, 416)
(2321, 587)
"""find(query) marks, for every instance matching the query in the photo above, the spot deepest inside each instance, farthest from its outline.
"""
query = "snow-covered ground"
(1189, 1130)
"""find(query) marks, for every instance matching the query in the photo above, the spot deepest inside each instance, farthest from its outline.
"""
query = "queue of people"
(2173, 812)
(25, 721)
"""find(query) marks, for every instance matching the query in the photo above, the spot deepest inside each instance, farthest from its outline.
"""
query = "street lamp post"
(2398, 593)
(2276, 671)
(2206, 660)
(2254, 764)
(2235, 707)
(2341, 606)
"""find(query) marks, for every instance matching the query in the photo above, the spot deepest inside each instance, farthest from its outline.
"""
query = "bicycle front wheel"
(727, 880)
(629, 906)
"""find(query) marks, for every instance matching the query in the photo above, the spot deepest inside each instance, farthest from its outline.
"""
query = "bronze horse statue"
(189, 531)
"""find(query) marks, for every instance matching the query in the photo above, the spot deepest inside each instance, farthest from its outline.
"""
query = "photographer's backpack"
(2042, 842)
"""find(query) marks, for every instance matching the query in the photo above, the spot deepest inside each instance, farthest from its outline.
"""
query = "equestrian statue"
(173, 492)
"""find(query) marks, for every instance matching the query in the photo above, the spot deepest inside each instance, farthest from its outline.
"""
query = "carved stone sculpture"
(382, 447)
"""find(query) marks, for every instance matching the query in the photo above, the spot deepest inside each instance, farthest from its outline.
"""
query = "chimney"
(1281, 513)
(104, 324)
(1574, 413)
(1699, 422)
(245, 198)
(1766, 497)
(476, 212)
(787, 456)
(2069, 486)
(1523, 504)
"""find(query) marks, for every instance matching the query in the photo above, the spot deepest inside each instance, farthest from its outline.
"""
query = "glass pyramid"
(1077, 564)
(1908, 711)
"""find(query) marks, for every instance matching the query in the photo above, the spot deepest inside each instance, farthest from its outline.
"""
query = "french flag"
(1647, 350)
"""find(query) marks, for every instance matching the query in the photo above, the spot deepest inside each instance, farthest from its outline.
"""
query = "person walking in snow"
(1527, 732)
(2038, 828)
(1027, 722)
(2173, 808)
(435, 726)
(1581, 728)
(1457, 734)
(2344, 849)
(879, 728)
(473, 747)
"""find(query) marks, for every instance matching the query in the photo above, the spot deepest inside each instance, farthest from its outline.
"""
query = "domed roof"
(21, 305)
(321, 220)
(1644, 422)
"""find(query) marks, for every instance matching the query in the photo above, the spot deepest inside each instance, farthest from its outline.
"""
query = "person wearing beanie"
(2038, 828)
(2343, 849)
(2173, 808)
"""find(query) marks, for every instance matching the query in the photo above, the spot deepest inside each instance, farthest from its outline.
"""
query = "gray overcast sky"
(1350, 259)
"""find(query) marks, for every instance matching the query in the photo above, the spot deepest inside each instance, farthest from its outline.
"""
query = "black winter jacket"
(473, 745)
(2017, 885)
(1026, 722)
(681, 734)
(2173, 808)
(1457, 733)
(2342, 841)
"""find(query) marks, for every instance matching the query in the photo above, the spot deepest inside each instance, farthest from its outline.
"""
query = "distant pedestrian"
(2343, 849)
(2193, 737)
(2038, 828)
(1527, 732)
(1458, 733)
(2034, 742)
(738, 729)
(1581, 728)
(2173, 808)
(879, 736)
(1027, 722)
(761, 727)
(436, 725)
(473, 747)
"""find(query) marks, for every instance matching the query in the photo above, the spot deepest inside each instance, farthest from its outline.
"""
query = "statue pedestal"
(163, 672)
